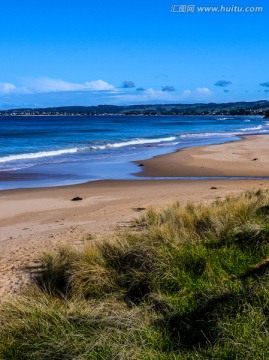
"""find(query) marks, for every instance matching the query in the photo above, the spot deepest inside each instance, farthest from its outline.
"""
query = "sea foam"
(117, 145)
(37, 155)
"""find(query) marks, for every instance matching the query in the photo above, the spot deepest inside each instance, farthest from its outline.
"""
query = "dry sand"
(248, 157)
(32, 220)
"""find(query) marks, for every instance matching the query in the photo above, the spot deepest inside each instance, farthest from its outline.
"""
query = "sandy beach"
(248, 157)
(32, 220)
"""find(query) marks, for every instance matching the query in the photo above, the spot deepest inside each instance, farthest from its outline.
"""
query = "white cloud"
(45, 85)
(99, 85)
(7, 88)
(196, 94)
(203, 91)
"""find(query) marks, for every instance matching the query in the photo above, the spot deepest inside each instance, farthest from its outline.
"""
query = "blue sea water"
(60, 150)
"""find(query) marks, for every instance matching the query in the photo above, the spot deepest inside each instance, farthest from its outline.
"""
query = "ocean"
(63, 150)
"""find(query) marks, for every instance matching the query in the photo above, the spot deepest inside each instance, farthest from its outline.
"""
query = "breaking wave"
(37, 155)
(117, 145)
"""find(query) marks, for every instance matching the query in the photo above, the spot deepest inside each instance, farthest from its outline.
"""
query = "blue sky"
(89, 52)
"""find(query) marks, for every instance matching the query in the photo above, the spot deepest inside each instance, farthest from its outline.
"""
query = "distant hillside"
(267, 114)
(234, 108)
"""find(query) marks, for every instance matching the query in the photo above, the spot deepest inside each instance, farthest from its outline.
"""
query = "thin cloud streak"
(47, 85)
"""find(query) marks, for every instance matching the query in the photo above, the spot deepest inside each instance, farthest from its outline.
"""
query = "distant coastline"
(234, 108)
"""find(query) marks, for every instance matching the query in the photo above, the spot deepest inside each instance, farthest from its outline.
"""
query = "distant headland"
(233, 108)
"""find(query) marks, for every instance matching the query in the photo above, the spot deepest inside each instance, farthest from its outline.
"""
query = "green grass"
(189, 282)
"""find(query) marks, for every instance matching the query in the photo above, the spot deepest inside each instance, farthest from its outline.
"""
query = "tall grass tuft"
(54, 273)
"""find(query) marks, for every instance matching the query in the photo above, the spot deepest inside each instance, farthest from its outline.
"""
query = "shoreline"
(245, 158)
(148, 172)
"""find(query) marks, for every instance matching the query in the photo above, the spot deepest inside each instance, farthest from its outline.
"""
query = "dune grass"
(188, 282)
